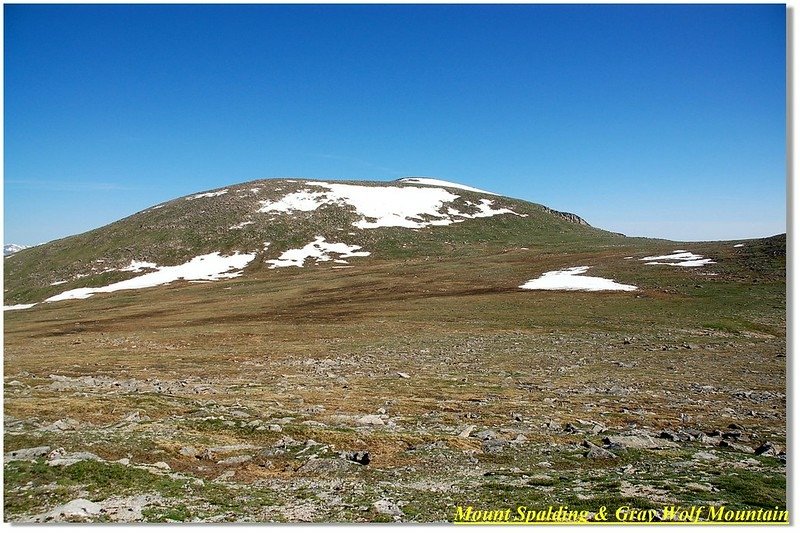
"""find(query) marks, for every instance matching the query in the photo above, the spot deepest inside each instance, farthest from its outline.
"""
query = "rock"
(596, 428)
(735, 426)
(735, 435)
(494, 445)
(286, 441)
(388, 508)
(700, 487)
(78, 508)
(552, 426)
(571, 428)
(736, 446)
(370, 420)
(705, 456)
(275, 428)
(328, 466)
(637, 442)
(66, 424)
(403, 375)
(765, 449)
(675, 436)
(596, 452)
(712, 440)
(211, 453)
(67, 459)
(486, 434)
(124, 461)
(362, 457)
(517, 417)
(239, 459)
(465, 433)
(26, 454)
(161, 465)
(132, 418)
(189, 451)
(128, 509)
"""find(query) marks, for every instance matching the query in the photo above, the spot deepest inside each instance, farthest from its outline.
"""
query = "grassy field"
(240, 400)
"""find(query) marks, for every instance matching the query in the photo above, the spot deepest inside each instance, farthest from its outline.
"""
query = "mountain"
(279, 223)
(9, 249)
(292, 349)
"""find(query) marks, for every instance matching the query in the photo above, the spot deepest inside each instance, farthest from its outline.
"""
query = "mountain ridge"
(272, 217)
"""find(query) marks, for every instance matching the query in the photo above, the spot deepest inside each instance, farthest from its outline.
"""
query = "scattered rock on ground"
(596, 452)
(26, 454)
(388, 508)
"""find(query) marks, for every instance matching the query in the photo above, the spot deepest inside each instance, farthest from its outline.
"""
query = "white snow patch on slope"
(443, 183)
(240, 225)
(208, 194)
(680, 258)
(59, 282)
(136, 266)
(296, 201)
(570, 279)
(209, 267)
(738, 245)
(318, 249)
(17, 307)
(382, 207)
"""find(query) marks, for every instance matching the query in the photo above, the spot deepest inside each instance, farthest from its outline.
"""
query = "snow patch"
(59, 282)
(296, 201)
(738, 245)
(241, 224)
(570, 279)
(136, 266)
(383, 207)
(209, 267)
(208, 194)
(318, 249)
(17, 307)
(681, 258)
(443, 183)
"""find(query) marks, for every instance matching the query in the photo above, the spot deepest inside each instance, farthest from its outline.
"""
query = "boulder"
(388, 508)
(26, 454)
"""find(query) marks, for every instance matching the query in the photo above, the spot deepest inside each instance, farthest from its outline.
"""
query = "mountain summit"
(282, 223)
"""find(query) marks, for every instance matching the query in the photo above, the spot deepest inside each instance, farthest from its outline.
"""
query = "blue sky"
(663, 121)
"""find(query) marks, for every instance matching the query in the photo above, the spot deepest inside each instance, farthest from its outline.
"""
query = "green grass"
(745, 489)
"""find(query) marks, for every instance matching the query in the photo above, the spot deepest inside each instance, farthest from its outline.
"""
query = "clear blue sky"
(665, 121)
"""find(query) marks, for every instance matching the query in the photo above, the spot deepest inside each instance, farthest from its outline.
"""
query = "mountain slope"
(425, 358)
(273, 221)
